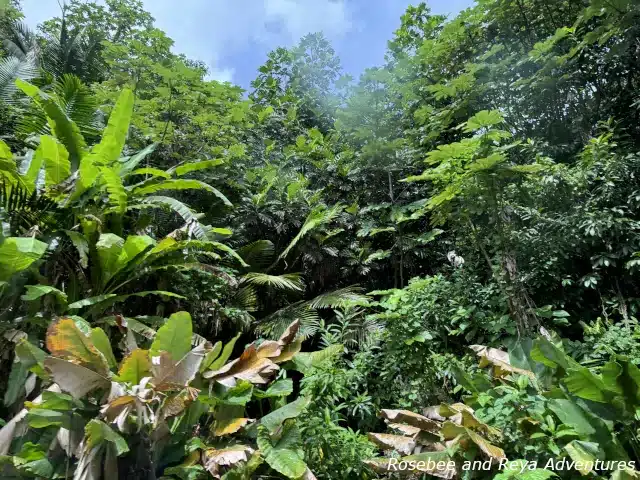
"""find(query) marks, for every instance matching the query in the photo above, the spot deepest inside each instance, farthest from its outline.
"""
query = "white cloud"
(210, 30)
(300, 17)
(221, 75)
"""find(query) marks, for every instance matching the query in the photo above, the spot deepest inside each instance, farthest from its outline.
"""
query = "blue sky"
(233, 37)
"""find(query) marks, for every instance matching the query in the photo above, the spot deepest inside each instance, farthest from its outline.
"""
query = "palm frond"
(274, 325)
(339, 298)
(23, 210)
(258, 254)
(318, 217)
(15, 68)
(287, 281)
(245, 298)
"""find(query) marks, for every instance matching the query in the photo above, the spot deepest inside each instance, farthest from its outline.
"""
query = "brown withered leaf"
(399, 443)
(410, 418)
(407, 430)
(437, 464)
(290, 333)
(213, 459)
(168, 375)
(74, 379)
(173, 406)
(66, 341)
(499, 360)
(250, 366)
(289, 351)
(490, 450)
(269, 349)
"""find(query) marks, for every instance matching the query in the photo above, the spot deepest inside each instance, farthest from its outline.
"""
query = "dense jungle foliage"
(201, 282)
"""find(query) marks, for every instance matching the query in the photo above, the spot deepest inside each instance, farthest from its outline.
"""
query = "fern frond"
(274, 325)
(246, 299)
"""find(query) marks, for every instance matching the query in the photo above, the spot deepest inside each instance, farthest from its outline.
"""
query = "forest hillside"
(429, 271)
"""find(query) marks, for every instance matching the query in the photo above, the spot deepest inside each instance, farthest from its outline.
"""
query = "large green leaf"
(17, 254)
(102, 343)
(82, 246)
(106, 300)
(56, 160)
(181, 184)
(196, 166)
(129, 164)
(181, 209)
(585, 384)
(61, 125)
(115, 189)
(285, 456)
(109, 246)
(97, 432)
(114, 136)
(34, 292)
(226, 354)
(272, 421)
(174, 337)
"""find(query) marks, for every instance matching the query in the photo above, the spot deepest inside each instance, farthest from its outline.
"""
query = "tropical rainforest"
(430, 271)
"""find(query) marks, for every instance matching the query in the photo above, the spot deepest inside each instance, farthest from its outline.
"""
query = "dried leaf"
(413, 419)
(403, 445)
(75, 379)
(229, 457)
(250, 367)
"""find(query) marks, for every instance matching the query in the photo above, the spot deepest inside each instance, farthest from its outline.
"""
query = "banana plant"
(188, 409)
(435, 442)
(576, 400)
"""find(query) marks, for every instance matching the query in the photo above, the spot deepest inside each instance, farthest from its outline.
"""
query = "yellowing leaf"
(135, 367)
(227, 427)
(251, 366)
(66, 341)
